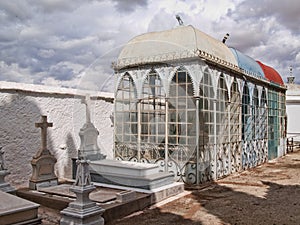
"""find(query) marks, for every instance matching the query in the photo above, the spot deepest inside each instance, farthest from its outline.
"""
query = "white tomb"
(130, 174)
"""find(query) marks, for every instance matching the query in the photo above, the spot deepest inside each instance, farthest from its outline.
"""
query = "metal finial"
(291, 78)
(225, 38)
(179, 20)
(291, 70)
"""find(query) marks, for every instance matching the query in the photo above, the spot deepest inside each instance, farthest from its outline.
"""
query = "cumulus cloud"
(72, 43)
(286, 13)
(129, 5)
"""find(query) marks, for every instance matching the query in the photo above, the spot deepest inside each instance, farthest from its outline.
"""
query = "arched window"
(153, 108)
(235, 111)
(206, 118)
(182, 111)
(222, 112)
(126, 111)
(255, 114)
(264, 116)
(246, 115)
(273, 123)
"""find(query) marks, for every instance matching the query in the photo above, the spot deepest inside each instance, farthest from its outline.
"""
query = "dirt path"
(268, 194)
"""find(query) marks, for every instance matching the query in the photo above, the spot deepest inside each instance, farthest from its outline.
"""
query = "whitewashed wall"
(292, 111)
(21, 106)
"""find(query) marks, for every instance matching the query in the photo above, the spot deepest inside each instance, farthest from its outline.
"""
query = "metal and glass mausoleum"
(195, 106)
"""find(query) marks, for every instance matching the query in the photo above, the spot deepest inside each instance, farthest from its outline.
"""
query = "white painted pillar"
(139, 130)
(197, 141)
(167, 135)
(215, 139)
(229, 137)
(115, 128)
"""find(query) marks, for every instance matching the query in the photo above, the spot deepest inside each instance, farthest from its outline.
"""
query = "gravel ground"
(268, 194)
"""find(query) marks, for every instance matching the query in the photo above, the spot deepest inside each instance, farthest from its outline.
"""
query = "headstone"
(43, 162)
(88, 136)
(4, 186)
(82, 210)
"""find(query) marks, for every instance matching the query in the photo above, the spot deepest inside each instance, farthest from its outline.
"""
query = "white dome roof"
(179, 43)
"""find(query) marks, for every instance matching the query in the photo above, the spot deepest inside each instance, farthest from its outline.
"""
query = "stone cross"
(44, 126)
(87, 102)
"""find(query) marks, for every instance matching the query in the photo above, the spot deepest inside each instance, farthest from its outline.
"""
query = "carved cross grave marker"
(88, 136)
(44, 126)
(43, 162)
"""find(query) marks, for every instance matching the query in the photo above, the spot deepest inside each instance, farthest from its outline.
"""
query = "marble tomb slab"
(129, 174)
(15, 210)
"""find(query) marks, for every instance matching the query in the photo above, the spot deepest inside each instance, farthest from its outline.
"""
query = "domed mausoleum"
(196, 107)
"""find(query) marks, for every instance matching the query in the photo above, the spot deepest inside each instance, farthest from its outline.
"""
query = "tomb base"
(15, 210)
(82, 211)
(43, 172)
(4, 186)
(36, 185)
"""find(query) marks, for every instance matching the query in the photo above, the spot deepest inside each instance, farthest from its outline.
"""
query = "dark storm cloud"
(129, 5)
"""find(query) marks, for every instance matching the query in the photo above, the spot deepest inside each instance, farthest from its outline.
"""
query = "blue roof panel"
(247, 63)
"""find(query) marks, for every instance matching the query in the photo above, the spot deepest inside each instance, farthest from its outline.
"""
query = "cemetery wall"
(292, 111)
(21, 106)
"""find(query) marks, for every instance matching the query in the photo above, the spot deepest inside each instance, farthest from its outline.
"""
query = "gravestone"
(82, 210)
(88, 136)
(4, 186)
(43, 162)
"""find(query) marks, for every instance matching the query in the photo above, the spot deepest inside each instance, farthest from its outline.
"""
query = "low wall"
(21, 106)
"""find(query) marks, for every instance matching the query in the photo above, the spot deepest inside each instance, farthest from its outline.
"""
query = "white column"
(215, 139)
(229, 136)
(197, 141)
(166, 135)
(139, 130)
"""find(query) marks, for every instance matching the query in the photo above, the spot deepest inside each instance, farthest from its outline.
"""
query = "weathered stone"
(89, 148)
(82, 210)
(4, 186)
(43, 162)
(97, 196)
(15, 210)
(88, 136)
(126, 196)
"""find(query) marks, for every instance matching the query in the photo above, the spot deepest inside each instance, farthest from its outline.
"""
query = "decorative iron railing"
(182, 161)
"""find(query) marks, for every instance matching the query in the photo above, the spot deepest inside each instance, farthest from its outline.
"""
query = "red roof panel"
(271, 74)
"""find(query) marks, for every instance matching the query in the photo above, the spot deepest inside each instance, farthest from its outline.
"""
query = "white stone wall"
(21, 106)
(292, 111)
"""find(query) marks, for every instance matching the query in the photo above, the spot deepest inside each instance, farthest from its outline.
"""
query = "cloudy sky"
(72, 43)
